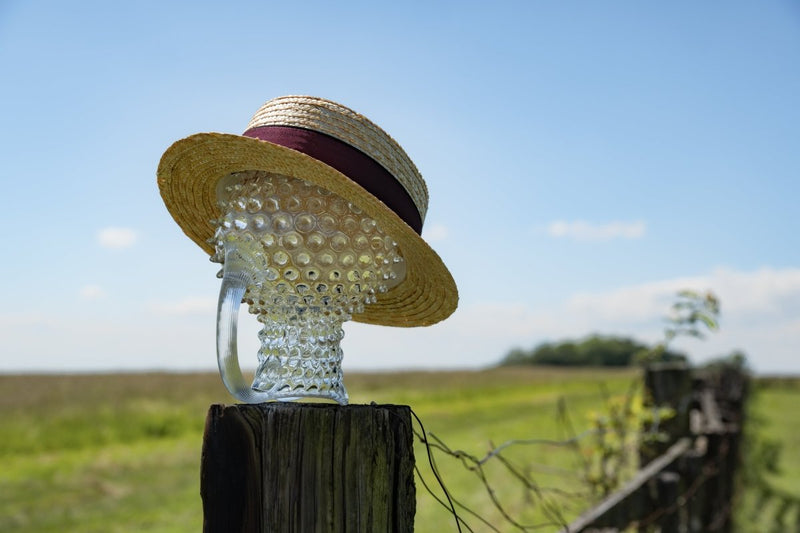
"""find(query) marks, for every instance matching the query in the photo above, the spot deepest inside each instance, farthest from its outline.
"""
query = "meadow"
(106, 453)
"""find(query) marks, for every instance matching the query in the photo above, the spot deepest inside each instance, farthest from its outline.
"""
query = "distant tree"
(569, 353)
(544, 354)
(736, 360)
(596, 350)
(693, 314)
(516, 356)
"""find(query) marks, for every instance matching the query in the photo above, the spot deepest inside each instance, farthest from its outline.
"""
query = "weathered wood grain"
(308, 468)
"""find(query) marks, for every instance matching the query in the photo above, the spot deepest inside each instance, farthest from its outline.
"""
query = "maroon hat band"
(348, 160)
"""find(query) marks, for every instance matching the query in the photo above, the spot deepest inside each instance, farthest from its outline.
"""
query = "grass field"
(774, 419)
(122, 452)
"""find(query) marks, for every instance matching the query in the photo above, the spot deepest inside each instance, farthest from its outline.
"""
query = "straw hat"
(335, 148)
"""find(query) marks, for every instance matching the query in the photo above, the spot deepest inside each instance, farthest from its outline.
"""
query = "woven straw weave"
(350, 127)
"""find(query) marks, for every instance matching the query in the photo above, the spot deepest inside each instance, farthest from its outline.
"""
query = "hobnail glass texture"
(304, 260)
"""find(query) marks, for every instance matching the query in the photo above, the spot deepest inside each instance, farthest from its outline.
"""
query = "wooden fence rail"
(686, 483)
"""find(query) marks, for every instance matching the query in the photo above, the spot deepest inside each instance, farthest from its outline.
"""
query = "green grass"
(774, 418)
(102, 453)
(122, 452)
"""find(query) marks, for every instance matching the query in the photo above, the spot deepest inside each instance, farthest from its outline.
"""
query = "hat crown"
(344, 124)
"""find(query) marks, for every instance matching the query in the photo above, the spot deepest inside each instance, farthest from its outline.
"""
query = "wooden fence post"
(715, 501)
(719, 509)
(668, 485)
(690, 486)
(692, 469)
(293, 467)
(667, 385)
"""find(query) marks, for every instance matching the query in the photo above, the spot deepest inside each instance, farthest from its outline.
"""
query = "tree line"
(596, 350)
(693, 314)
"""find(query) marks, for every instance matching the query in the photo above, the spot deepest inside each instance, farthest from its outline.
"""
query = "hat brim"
(187, 178)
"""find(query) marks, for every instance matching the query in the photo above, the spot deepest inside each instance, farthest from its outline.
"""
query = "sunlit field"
(122, 452)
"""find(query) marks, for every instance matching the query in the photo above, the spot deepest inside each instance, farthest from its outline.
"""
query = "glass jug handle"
(234, 284)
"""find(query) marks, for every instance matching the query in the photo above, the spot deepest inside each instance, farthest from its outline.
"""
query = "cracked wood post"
(295, 467)
(667, 385)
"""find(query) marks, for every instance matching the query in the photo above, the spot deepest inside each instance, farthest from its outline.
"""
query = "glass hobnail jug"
(304, 260)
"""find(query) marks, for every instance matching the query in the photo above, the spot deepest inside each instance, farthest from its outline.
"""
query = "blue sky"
(585, 162)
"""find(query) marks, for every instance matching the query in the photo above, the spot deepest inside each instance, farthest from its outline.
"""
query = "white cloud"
(437, 232)
(581, 230)
(92, 292)
(117, 238)
(760, 315)
(760, 295)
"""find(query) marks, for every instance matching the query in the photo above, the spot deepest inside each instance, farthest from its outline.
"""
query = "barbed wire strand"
(426, 441)
(475, 465)
(549, 508)
(552, 501)
(478, 469)
(435, 497)
(543, 442)
(435, 471)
